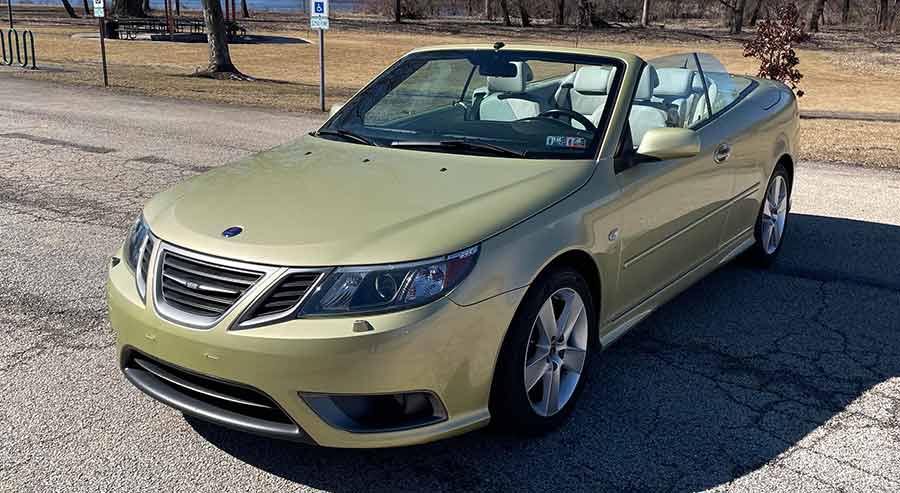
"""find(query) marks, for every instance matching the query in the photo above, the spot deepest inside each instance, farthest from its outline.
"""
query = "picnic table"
(130, 28)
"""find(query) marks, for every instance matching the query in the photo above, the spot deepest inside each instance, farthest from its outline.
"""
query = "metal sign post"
(100, 13)
(318, 19)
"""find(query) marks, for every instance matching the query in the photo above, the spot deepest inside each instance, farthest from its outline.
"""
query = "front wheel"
(543, 363)
(771, 223)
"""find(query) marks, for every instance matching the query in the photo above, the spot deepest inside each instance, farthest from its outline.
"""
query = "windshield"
(506, 103)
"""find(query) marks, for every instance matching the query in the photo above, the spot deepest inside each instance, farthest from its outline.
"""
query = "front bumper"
(441, 348)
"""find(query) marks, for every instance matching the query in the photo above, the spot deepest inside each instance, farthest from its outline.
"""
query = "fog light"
(377, 413)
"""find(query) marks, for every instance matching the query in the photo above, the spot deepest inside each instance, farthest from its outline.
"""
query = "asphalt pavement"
(785, 379)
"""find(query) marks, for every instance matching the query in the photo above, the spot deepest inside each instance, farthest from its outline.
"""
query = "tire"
(529, 412)
(771, 222)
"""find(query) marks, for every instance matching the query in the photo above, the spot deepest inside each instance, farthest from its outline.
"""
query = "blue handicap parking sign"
(319, 7)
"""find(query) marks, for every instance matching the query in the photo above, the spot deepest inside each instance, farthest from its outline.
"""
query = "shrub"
(774, 43)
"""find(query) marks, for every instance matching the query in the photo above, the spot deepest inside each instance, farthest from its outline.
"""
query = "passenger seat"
(506, 99)
(645, 114)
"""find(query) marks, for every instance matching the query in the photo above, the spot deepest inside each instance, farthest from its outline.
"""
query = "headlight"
(383, 288)
(136, 237)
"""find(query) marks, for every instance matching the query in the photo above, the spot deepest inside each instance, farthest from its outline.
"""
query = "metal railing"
(16, 52)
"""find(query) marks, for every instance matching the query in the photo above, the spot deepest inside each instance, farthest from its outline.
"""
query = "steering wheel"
(578, 117)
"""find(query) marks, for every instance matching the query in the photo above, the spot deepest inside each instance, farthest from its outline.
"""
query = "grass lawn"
(839, 76)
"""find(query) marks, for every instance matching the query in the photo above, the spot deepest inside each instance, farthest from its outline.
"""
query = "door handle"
(722, 153)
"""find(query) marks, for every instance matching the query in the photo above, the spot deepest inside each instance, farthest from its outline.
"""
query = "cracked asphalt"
(778, 380)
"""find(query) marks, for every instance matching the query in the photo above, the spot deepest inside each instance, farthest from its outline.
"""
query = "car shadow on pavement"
(717, 383)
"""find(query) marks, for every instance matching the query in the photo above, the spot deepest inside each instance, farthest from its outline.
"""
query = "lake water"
(268, 5)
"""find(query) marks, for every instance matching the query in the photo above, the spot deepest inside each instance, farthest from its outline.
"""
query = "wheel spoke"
(573, 359)
(573, 311)
(548, 319)
(551, 392)
(767, 228)
(536, 370)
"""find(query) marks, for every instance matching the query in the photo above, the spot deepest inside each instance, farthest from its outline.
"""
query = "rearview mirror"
(670, 143)
(334, 109)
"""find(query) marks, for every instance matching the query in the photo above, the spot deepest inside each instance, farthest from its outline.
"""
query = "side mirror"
(334, 109)
(670, 143)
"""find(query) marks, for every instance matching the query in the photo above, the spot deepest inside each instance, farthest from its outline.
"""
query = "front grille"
(226, 403)
(289, 291)
(201, 289)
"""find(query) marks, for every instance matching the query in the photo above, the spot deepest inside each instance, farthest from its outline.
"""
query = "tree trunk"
(69, 9)
(845, 12)
(754, 17)
(87, 8)
(818, 8)
(397, 11)
(737, 16)
(561, 12)
(488, 11)
(219, 63)
(892, 16)
(128, 8)
(883, 7)
(504, 9)
(645, 14)
(146, 7)
(245, 12)
(523, 14)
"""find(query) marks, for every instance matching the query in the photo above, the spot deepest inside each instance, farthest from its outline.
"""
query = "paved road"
(784, 380)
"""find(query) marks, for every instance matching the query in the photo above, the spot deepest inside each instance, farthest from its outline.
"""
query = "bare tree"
(645, 14)
(754, 17)
(69, 9)
(887, 15)
(560, 12)
(219, 64)
(145, 6)
(87, 7)
(397, 11)
(737, 16)
(245, 12)
(504, 9)
(128, 8)
(488, 11)
(818, 7)
(523, 14)
(845, 12)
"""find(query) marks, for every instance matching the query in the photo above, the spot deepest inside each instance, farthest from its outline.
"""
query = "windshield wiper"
(462, 144)
(347, 135)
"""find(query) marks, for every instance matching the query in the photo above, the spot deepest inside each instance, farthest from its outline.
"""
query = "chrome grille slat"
(200, 271)
(205, 297)
(184, 280)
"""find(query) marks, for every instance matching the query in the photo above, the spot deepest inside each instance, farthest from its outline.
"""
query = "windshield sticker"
(566, 142)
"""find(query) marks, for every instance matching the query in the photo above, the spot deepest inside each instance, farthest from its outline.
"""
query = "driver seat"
(507, 100)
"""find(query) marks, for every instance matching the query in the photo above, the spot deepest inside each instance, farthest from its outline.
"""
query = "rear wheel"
(544, 359)
(771, 223)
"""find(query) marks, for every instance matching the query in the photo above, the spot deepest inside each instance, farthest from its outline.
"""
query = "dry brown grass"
(834, 80)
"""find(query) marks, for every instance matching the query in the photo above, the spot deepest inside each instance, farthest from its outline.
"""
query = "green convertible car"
(453, 246)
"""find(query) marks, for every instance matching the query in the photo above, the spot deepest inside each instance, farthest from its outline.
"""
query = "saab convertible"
(454, 246)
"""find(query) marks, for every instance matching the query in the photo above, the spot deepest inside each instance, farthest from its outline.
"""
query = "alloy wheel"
(774, 214)
(557, 347)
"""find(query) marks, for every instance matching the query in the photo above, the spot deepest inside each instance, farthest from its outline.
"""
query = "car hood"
(317, 202)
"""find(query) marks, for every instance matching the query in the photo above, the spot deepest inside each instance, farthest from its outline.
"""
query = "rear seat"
(645, 114)
(676, 93)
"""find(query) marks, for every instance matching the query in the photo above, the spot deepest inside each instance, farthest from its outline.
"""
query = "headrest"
(514, 84)
(674, 82)
(593, 80)
(649, 81)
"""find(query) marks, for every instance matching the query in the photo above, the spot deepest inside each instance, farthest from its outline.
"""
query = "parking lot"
(779, 380)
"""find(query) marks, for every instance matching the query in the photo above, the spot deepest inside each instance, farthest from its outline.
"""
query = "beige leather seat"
(645, 114)
(585, 91)
(676, 94)
(501, 102)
